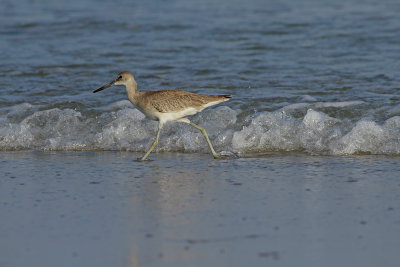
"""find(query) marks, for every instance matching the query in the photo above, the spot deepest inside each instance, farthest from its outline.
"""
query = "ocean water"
(315, 77)
(314, 120)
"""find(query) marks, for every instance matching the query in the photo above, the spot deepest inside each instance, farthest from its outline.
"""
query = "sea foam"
(121, 127)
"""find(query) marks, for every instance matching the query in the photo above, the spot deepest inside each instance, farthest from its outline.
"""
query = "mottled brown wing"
(174, 100)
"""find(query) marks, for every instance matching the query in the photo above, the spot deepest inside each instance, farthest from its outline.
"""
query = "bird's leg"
(203, 131)
(154, 143)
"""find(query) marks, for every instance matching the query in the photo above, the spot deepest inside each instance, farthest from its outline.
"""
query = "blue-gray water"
(307, 76)
(106, 209)
(315, 88)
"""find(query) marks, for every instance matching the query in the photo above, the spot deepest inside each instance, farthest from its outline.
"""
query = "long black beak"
(104, 87)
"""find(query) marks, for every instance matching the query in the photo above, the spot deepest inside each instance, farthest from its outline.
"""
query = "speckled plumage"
(175, 100)
(167, 105)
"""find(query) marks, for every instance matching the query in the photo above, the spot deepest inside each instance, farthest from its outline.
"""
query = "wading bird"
(167, 105)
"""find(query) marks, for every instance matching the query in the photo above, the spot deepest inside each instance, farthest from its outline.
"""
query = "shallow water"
(106, 209)
(314, 77)
(314, 120)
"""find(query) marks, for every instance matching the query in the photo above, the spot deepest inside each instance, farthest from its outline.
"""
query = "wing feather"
(176, 100)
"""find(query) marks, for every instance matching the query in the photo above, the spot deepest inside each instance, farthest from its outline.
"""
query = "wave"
(121, 127)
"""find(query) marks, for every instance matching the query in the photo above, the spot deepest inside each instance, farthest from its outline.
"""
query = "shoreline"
(107, 209)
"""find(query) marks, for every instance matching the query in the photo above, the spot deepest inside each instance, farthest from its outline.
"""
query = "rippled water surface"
(106, 209)
(312, 81)
(310, 76)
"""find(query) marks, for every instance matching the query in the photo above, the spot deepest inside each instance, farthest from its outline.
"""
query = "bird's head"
(123, 78)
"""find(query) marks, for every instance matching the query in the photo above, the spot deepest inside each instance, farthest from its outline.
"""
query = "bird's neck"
(132, 91)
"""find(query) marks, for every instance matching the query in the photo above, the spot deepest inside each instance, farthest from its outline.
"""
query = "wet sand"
(106, 209)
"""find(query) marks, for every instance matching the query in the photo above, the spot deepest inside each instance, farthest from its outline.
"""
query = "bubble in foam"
(15, 136)
(20, 109)
(317, 131)
(277, 131)
(125, 132)
(215, 120)
(47, 126)
(267, 132)
(393, 123)
(369, 137)
(18, 112)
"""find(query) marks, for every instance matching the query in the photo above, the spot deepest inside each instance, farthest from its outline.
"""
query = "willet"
(167, 105)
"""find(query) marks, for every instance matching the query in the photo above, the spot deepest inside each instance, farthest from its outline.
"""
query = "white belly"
(173, 116)
(164, 117)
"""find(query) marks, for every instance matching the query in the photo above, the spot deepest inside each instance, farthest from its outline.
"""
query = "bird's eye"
(119, 77)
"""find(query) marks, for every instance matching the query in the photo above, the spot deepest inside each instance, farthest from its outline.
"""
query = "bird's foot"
(143, 159)
(226, 155)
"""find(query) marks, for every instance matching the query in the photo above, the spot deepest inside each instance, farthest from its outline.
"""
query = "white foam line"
(338, 104)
